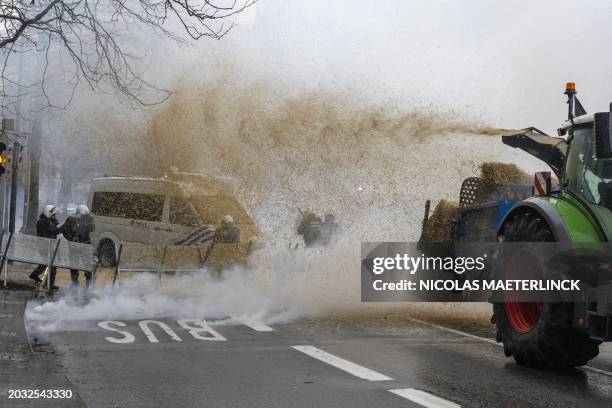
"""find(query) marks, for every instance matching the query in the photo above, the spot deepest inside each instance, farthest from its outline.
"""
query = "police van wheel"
(106, 251)
(539, 334)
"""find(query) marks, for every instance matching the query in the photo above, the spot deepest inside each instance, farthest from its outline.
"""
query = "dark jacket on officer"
(310, 228)
(70, 229)
(46, 227)
(85, 228)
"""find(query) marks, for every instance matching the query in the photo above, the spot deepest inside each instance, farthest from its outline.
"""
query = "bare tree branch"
(90, 33)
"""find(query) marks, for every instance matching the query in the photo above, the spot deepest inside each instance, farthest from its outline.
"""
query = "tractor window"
(580, 153)
(588, 176)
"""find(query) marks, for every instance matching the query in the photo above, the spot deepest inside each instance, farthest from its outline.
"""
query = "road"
(333, 362)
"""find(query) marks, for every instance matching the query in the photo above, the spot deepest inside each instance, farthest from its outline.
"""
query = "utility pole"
(14, 180)
(34, 155)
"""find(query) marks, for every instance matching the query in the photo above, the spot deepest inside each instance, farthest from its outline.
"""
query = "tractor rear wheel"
(538, 334)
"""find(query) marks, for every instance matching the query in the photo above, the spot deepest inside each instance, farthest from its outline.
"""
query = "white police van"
(182, 209)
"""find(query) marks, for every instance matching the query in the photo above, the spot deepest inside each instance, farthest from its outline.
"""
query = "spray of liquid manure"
(372, 166)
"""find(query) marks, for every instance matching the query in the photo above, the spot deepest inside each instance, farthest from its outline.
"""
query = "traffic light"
(4, 158)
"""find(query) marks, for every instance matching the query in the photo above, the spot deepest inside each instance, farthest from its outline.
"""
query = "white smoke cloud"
(280, 286)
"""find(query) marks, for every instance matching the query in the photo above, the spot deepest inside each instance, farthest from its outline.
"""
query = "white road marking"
(424, 398)
(144, 326)
(6, 316)
(127, 337)
(491, 341)
(197, 327)
(253, 324)
(342, 364)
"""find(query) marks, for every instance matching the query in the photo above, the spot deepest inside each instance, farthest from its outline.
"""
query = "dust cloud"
(318, 150)
(372, 166)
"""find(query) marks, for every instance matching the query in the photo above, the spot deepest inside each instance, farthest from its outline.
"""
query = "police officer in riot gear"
(228, 232)
(69, 228)
(85, 224)
(310, 228)
(314, 231)
(69, 231)
(79, 229)
(47, 227)
(328, 228)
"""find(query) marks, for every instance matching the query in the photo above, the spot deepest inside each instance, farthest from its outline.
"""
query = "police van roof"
(135, 178)
(191, 185)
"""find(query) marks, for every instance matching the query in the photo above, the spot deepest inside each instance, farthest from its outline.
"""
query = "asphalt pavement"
(21, 368)
(331, 362)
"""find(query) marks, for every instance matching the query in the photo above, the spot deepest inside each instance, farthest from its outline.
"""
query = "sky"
(503, 62)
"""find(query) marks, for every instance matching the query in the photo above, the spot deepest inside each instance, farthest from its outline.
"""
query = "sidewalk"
(22, 368)
(17, 279)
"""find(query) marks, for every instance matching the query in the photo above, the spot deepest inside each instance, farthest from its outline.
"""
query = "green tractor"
(557, 335)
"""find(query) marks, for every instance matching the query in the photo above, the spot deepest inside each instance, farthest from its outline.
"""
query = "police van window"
(181, 212)
(212, 209)
(146, 207)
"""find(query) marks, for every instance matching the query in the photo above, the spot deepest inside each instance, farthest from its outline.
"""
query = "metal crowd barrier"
(131, 257)
(60, 253)
(160, 259)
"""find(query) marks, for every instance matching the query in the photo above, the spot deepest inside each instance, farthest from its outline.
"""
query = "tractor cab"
(582, 160)
(588, 170)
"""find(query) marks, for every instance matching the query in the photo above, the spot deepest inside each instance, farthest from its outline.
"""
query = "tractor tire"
(106, 253)
(539, 334)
